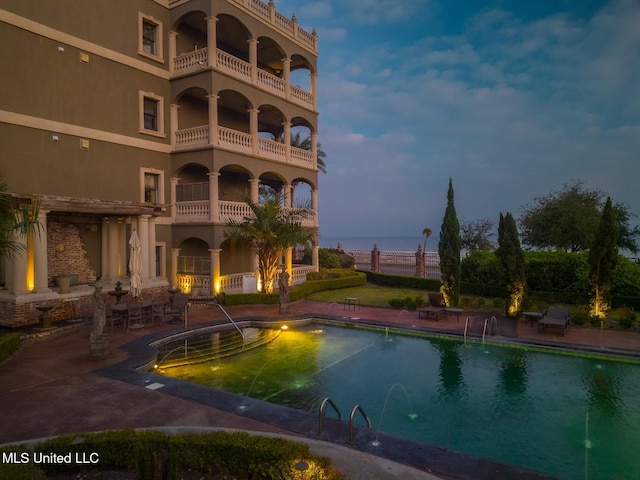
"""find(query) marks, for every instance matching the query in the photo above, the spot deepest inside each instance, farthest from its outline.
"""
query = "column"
(286, 128)
(173, 275)
(173, 41)
(19, 265)
(212, 50)
(143, 234)
(314, 149)
(173, 123)
(420, 262)
(152, 247)
(104, 267)
(288, 190)
(113, 249)
(253, 59)
(123, 247)
(174, 209)
(375, 259)
(255, 189)
(314, 90)
(215, 270)
(253, 128)
(314, 206)
(213, 119)
(41, 271)
(286, 76)
(315, 256)
(214, 205)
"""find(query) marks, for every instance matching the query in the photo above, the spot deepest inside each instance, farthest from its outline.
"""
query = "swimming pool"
(572, 417)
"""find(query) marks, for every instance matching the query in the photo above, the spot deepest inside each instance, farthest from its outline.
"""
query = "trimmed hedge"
(156, 455)
(405, 281)
(9, 344)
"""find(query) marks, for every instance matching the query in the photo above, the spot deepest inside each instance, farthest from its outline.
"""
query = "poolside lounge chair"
(555, 317)
(178, 307)
(436, 309)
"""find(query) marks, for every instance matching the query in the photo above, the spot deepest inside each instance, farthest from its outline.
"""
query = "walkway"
(48, 387)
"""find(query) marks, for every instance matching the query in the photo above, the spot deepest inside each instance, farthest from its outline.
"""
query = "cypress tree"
(603, 256)
(449, 248)
(511, 258)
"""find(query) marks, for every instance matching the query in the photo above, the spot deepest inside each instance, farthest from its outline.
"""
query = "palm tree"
(270, 229)
(427, 233)
(306, 145)
(15, 218)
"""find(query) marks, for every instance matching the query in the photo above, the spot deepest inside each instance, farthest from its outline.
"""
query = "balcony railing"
(242, 142)
(197, 60)
(198, 211)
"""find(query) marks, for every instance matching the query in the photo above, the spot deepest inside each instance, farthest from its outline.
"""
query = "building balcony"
(245, 143)
(199, 211)
(197, 60)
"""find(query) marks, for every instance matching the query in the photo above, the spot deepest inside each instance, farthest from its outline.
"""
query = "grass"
(369, 295)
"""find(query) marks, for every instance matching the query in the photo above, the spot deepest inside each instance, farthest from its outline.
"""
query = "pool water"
(570, 417)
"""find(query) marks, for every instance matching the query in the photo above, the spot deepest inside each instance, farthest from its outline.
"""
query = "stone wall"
(66, 253)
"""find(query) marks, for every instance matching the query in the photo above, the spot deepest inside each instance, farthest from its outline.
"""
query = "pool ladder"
(354, 410)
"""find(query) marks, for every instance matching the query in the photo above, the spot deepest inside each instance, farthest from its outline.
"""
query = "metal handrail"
(357, 408)
(231, 320)
(321, 410)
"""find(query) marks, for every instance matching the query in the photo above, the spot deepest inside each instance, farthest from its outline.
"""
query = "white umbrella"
(135, 265)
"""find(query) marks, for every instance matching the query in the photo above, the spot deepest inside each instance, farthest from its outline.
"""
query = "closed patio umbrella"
(135, 265)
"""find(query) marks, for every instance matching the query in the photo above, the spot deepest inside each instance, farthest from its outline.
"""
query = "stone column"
(123, 247)
(173, 41)
(314, 207)
(315, 256)
(255, 189)
(375, 259)
(314, 90)
(213, 119)
(174, 210)
(212, 50)
(214, 205)
(288, 191)
(152, 247)
(174, 125)
(314, 149)
(286, 76)
(420, 262)
(143, 234)
(104, 258)
(253, 128)
(253, 59)
(41, 271)
(19, 265)
(286, 128)
(113, 249)
(215, 270)
(173, 275)
(288, 260)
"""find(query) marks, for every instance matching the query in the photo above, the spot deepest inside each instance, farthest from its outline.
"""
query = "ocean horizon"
(399, 243)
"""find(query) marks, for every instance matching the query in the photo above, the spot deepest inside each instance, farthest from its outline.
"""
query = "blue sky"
(509, 98)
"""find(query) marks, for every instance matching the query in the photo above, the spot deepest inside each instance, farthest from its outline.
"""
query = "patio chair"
(178, 307)
(134, 315)
(157, 311)
(436, 309)
(555, 317)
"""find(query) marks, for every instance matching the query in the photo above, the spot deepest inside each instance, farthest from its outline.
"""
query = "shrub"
(407, 302)
(9, 344)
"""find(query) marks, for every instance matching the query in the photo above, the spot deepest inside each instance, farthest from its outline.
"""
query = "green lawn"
(370, 295)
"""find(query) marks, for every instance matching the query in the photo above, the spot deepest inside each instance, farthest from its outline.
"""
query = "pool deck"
(51, 385)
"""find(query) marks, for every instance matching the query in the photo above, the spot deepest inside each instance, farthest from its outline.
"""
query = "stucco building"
(156, 115)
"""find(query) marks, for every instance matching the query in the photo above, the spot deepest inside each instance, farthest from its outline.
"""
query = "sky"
(510, 99)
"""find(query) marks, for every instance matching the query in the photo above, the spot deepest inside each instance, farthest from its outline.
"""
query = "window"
(149, 37)
(151, 188)
(151, 114)
(151, 185)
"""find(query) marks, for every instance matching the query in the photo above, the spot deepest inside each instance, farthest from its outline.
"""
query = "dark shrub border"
(9, 344)
(156, 455)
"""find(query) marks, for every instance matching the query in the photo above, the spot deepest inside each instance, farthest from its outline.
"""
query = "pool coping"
(429, 458)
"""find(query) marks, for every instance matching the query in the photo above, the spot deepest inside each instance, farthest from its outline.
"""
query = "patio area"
(50, 388)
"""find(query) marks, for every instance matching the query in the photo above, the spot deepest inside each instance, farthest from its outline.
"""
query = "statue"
(99, 342)
(283, 286)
